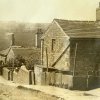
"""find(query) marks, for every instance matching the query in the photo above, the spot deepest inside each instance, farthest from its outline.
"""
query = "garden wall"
(79, 83)
(24, 76)
(93, 82)
(53, 78)
(68, 81)
(6, 73)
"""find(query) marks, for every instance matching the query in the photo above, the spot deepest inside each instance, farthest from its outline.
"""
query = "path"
(10, 91)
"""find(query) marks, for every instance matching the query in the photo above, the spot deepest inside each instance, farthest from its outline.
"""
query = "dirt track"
(13, 93)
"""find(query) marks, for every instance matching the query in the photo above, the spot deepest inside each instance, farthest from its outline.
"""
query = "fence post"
(47, 58)
(34, 78)
(30, 77)
(87, 78)
(11, 75)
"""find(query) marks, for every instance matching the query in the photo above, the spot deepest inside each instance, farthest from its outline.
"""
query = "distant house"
(72, 46)
(27, 52)
(24, 33)
(14, 51)
(3, 54)
(26, 36)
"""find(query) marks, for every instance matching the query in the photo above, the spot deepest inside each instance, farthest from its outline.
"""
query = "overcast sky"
(46, 10)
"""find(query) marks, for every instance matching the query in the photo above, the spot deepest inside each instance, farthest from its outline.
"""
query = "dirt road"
(13, 93)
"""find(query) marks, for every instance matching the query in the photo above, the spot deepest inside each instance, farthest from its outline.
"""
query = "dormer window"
(53, 44)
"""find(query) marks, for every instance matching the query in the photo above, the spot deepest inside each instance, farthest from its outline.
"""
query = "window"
(42, 43)
(53, 44)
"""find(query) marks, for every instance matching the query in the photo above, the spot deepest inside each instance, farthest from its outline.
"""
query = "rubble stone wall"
(6, 73)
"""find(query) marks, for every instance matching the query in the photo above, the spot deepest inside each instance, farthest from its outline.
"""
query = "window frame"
(53, 41)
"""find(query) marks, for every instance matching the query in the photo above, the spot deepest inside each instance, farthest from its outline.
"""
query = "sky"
(46, 10)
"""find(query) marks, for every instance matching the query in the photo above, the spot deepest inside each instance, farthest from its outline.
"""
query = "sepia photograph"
(49, 49)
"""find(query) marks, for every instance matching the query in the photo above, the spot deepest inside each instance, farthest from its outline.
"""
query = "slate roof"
(5, 52)
(27, 53)
(79, 29)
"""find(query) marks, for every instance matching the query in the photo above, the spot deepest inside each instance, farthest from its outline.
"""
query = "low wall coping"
(6, 69)
(24, 68)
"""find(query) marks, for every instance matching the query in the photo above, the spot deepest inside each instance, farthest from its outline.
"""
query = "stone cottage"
(73, 46)
(15, 51)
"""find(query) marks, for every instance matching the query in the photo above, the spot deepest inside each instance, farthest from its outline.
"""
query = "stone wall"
(38, 72)
(6, 73)
(93, 82)
(61, 80)
(15, 77)
(68, 81)
(87, 55)
(24, 76)
(79, 83)
(60, 44)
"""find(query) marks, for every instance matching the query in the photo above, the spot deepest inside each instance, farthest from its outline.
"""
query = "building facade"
(72, 46)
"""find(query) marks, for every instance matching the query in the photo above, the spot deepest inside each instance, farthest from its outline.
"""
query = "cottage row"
(70, 49)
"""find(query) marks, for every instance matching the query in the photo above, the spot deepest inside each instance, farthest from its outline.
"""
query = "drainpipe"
(42, 48)
(75, 59)
(47, 58)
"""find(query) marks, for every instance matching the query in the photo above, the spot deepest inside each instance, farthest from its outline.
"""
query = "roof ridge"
(72, 20)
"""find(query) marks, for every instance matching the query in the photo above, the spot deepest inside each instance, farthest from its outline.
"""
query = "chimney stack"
(13, 40)
(98, 13)
(38, 38)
